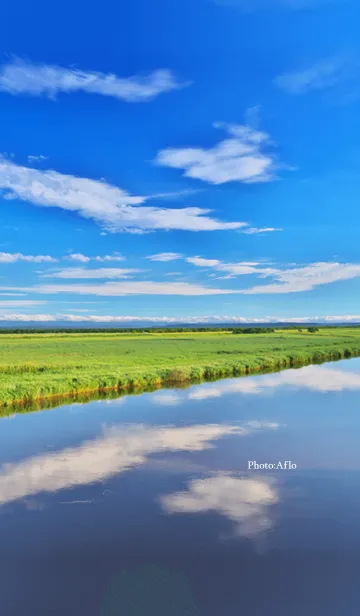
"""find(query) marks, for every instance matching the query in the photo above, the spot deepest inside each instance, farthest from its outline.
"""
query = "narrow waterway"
(162, 504)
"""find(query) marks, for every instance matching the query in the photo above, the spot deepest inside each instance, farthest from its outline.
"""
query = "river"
(234, 498)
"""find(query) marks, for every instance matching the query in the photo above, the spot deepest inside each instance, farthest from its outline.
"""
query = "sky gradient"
(192, 160)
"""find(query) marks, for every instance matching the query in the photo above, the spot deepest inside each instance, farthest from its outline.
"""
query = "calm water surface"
(144, 506)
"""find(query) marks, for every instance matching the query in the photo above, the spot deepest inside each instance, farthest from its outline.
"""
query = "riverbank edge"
(176, 378)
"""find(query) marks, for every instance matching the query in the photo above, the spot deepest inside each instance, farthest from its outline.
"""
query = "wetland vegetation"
(43, 365)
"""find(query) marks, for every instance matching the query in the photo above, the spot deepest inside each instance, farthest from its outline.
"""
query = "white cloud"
(7, 257)
(77, 256)
(241, 157)
(111, 207)
(292, 280)
(255, 231)
(165, 256)
(324, 74)
(33, 158)
(214, 319)
(114, 257)
(22, 77)
(100, 273)
(117, 450)
(20, 303)
(116, 289)
(306, 278)
(19, 318)
(243, 501)
(234, 269)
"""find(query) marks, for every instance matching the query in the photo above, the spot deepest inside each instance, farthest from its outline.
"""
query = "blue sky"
(183, 159)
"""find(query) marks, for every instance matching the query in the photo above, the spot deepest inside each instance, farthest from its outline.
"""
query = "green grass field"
(36, 366)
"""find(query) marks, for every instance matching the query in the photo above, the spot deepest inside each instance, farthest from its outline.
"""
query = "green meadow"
(36, 366)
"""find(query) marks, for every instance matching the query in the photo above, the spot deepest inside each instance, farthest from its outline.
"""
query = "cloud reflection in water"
(243, 501)
(119, 449)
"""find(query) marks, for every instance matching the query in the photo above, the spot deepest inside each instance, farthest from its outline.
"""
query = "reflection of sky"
(315, 378)
(82, 444)
(119, 449)
(90, 489)
(242, 500)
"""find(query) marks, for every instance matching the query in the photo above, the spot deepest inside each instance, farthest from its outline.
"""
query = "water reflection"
(315, 378)
(244, 501)
(118, 449)
(104, 502)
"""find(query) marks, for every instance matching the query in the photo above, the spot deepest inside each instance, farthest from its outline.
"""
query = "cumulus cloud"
(245, 502)
(116, 451)
(111, 207)
(77, 256)
(165, 256)
(23, 77)
(14, 257)
(322, 75)
(100, 273)
(244, 156)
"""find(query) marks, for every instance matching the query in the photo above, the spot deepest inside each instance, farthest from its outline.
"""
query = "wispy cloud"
(244, 156)
(36, 158)
(235, 269)
(100, 273)
(111, 207)
(24, 77)
(306, 278)
(116, 289)
(7, 257)
(165, 256)
(289, 280)
(20, 303)
(320, 76)
(255, 231)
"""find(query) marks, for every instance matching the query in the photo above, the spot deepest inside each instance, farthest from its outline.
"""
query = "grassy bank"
(39, 366)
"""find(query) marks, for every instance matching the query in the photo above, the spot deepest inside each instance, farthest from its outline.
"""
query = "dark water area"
(146, 505)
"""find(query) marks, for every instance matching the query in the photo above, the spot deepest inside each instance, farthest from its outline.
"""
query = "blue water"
(145, 505)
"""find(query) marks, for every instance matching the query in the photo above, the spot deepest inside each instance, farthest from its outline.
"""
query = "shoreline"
(177, 378)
